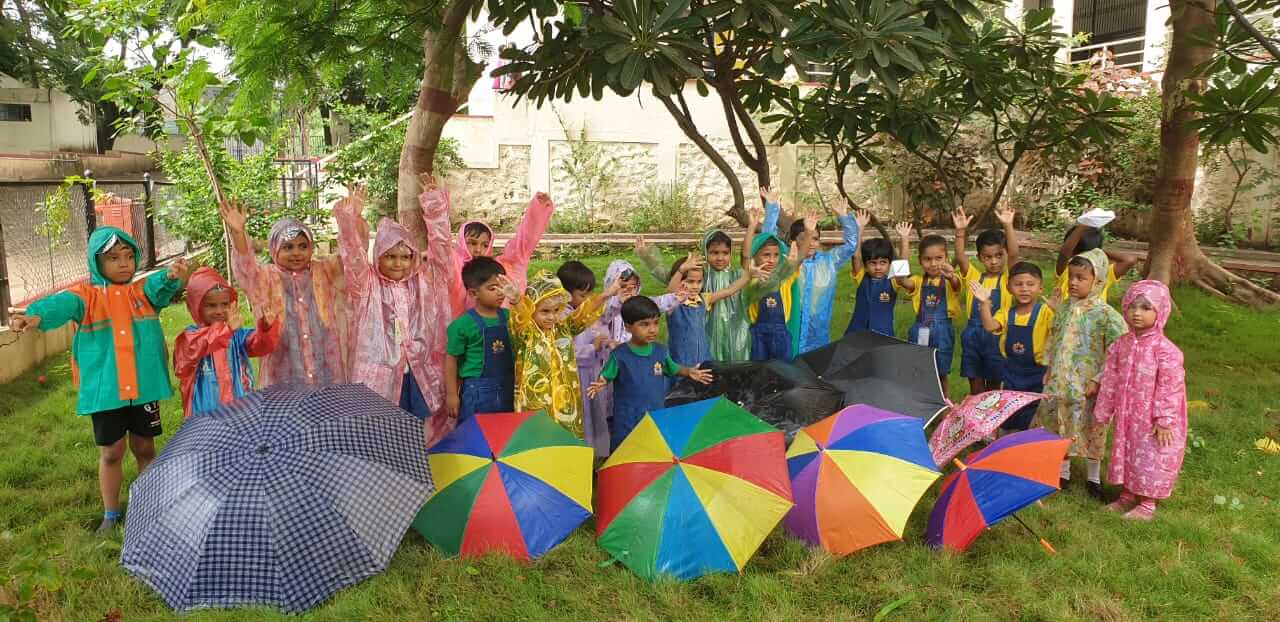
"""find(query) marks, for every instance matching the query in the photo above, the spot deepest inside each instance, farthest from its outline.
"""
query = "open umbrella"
(975, 419)
(856, 477)
(280, 498)
(693, 489)
(888, 373)
(515, 483)
(785, 395)
(1006, 476)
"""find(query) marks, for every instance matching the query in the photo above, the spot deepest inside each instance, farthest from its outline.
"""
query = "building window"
(15, 112)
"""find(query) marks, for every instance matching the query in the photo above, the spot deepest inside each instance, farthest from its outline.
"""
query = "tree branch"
(1243, 21)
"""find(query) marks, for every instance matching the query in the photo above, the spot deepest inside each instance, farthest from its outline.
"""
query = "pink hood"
(203, 281)
(391, 233)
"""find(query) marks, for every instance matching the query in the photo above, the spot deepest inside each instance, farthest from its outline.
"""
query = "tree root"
(1228, 286)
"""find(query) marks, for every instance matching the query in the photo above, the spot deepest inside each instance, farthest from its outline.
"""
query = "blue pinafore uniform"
(873, 306)
(641, 387)
(933, 314)
(493, 391)
(770, 339)
(687, 334)
(980, 350)
(1021, 372)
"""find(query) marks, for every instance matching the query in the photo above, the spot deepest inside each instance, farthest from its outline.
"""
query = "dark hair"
(478, 271)
(677, 264)
(575, 276)
(797, 227)
(1081, 262)
(990, 237)
(876, 248)
(474, 229)
(929, 241)
(1025, 267)
(638, 308)
(719, 237)
(1090, 239)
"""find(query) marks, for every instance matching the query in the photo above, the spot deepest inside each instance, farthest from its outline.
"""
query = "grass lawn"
(1198, 560)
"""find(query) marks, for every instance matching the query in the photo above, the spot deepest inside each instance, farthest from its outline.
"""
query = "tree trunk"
(1174, 255)
(105, 114)
(446, 80)
(685, 121)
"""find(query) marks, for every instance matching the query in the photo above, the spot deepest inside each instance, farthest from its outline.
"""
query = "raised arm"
(193, 345)
(249, 274)
(903, 230)
(437, 258)
(1067, 250)
(758, 289)
(748, 235)
(651, 258)
(961, 221)
(264, 338)
(520, 248)
(1005, 215)
(1121, 263)
(592, 309)
(851, 233)
(863, 217)
(733, 288)
(772, 210)
(353, 243)
(983, 294)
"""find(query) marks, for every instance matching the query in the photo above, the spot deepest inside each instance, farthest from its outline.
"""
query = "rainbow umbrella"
(1008, 475)
(694, 489)
(857, 475)
(516, 483)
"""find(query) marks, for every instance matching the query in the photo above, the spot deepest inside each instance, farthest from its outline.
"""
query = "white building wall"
(54, 124)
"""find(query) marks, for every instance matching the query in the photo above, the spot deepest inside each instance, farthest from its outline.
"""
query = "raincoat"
(398, 327)
(118, 353)
(515, 255)
(1144, 386)
(813, 292)
(546, 364)
(727, 329)
(211, 361)
(312, 306)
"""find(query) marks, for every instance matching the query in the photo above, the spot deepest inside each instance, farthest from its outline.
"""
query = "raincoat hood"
(615, 270)
(391, 233)
(1157, 294)
(544, 285)
(203, 281)
(285, 230)
(460, 249)
(101, 240)
(761, 239)
(702, 246)
(1100, 266)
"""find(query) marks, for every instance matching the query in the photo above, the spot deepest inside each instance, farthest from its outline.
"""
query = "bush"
(664, 208)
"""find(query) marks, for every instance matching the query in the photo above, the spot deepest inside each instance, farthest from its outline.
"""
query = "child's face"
(992, 257)
(547, 313)
(767, 258)
(216, 307)
(1026, 288)
(489, 295)
(478, 244)
(718, 256)
(117, 265)
(578, 296)
(933, 258)
(692, 282)
(644, 332)
(295, 255)
(630, 287)
(878, 268)
(396, 263)
(808, 242)
(1079, 281)
(1141, 315)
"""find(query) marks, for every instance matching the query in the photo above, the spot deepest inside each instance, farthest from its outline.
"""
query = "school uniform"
(935, 305)
(687, 333)
(980, 350)
(486, 363)
(770, 339)
(1022, 341)
(873, 303)
(639, 377)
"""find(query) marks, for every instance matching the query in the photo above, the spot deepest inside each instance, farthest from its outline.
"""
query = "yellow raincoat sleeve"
(587, 314)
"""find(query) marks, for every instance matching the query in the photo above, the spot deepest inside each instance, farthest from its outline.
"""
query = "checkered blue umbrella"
(281, 498)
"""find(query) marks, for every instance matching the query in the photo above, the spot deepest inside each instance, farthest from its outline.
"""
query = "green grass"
(1199, 560)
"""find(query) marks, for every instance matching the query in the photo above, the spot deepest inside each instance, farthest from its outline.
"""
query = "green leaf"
(632, 70)
(891, 607)
(702, 88)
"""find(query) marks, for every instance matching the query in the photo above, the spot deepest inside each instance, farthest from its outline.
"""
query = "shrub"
(664, 208)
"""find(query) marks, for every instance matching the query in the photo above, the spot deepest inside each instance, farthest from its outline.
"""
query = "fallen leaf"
(551, 604)
(1198, 405)
(113, 615)
(1267, 445)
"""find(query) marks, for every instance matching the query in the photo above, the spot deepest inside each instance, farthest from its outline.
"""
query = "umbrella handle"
(1043, 543)
(1048, 547)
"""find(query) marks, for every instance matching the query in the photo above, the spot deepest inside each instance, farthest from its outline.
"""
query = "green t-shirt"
(466, 343)
(610, 371)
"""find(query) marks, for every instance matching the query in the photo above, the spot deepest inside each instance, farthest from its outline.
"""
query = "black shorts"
(110, 426)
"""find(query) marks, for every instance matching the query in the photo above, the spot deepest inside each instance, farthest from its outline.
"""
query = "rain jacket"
(399, 326)
(782, 280)
(515, 255)
(727, 328)
(1082, 332)
(815, 288)
(311, 305)
(546, 364)
(211, 361)
(118, 354)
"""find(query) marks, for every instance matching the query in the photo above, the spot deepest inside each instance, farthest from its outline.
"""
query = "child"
(546, 366)
(210, 358)
(118, 354)
(1023, 330)
(935, 295)
(479, 355)
(475, 239)
(813, 292)
(687, 322)
(876, 293)
(590, 348)
(307, 293)
(1080, 239)
(770, 300)
(398, 316)
(1083, 329)
(1143, 388)
(638, 370)
(727, 333)
(980, 359)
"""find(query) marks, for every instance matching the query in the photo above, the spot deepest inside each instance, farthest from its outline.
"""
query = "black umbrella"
(888, 373)
(786, 396)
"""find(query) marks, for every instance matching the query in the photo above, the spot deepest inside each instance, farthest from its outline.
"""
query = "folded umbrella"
(280, 498)
(975, 419)
(782, 394)
(870, 368)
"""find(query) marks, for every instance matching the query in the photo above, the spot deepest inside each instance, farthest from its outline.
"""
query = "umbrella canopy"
(1010, 474)
(694, 489)
(975, 419)
(856, 476)
(870, 368)
(515, 483)
(785, 395)
(280, 498)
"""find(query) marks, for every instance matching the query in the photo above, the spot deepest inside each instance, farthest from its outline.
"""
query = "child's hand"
(1091, 389)
(863, 218)
(948, 271)
(770, 196)
(266, 322)
(903, 230)
(179, 270)
(596, 387)
(19, 321)
(234, 214)
(793, 254)
(811, 224)
(1164, 436)
(642, 245)
(1005, 214)
(428, 182)
(760, 274)
(508, 288)
(983, 294)
(613, 289)
(840, 208)
(451, 405)
(960, 219)
(700, 375)
(692, 261)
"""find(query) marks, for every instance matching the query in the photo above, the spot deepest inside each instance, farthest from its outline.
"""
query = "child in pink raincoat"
(1143, 389)
(475, 239)
(398, 319)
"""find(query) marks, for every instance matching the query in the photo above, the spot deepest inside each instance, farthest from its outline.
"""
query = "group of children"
(450, 330)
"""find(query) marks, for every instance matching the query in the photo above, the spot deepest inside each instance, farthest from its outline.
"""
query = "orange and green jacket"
(118, 354)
